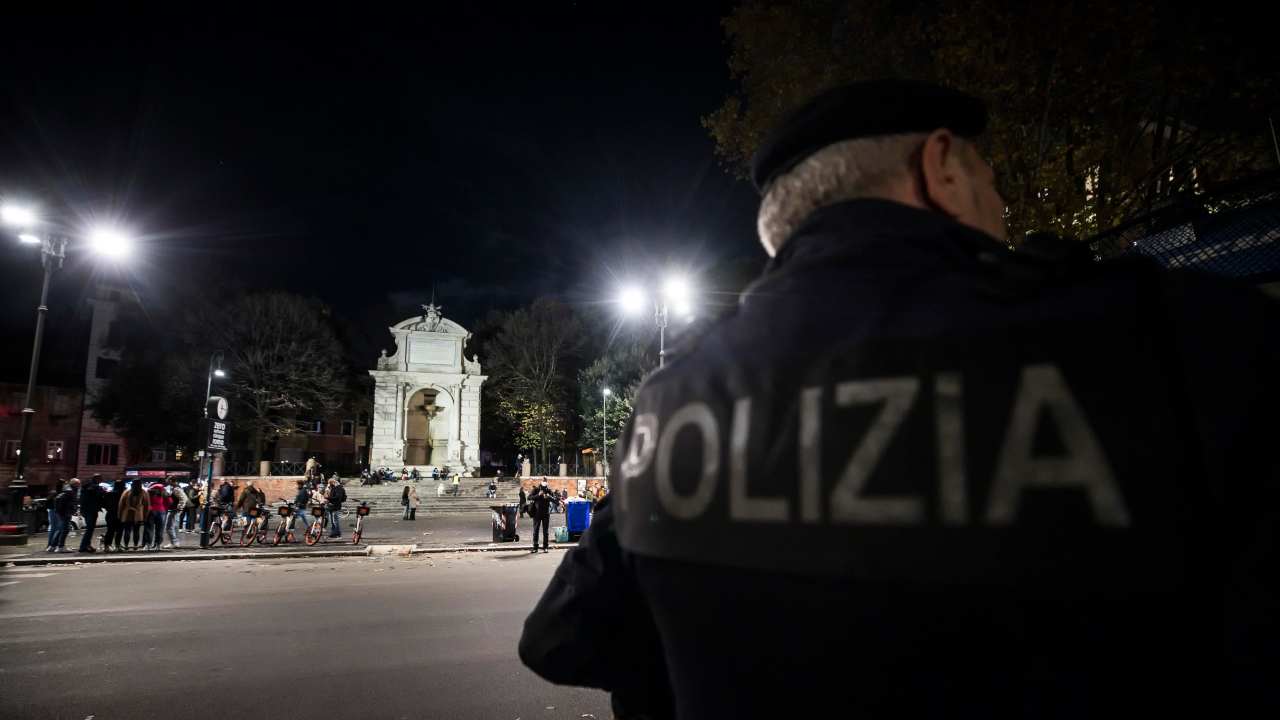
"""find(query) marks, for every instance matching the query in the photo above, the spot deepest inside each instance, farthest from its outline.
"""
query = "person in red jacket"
(153, 531)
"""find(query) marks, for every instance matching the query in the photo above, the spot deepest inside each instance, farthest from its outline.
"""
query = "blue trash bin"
(577, 516)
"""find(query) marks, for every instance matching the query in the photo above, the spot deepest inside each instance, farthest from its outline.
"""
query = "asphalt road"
(397, 637)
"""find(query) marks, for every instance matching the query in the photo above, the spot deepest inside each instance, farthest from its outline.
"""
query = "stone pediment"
(428, 343)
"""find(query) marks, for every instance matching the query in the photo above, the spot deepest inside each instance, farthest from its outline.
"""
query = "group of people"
(557, 499)
(313, 492)
(380, 475)
(149, 516)
(139, 515)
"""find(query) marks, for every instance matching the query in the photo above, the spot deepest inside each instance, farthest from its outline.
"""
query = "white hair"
(842, 171)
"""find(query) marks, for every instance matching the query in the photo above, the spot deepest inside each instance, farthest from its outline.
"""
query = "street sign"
(218, 430)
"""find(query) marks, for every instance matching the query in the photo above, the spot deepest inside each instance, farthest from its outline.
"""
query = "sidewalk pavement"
(448, 533)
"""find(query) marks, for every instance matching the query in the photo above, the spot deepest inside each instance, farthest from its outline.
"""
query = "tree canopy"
(1099, 110)
(279, 350)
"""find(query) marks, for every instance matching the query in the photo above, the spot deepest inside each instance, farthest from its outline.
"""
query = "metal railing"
(1233, 230)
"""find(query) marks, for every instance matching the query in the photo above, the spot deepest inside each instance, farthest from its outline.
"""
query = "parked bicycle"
(317, 526)
(362, 511)
(256, 527)
(284, 531)
(221, 525)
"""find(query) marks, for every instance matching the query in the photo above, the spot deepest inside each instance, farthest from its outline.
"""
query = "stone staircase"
(385, 499)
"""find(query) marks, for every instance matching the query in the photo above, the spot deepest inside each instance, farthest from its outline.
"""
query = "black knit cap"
(864, 109)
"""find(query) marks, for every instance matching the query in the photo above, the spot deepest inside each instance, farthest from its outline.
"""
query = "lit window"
(53, 450)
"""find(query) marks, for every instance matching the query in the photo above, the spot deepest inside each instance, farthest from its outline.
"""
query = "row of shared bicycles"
(225, 525)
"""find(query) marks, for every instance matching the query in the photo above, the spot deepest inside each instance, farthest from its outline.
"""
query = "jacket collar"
(879, 233)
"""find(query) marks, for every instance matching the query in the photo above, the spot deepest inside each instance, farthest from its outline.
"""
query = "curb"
(367, 551)
(419, 550)
(86, 559)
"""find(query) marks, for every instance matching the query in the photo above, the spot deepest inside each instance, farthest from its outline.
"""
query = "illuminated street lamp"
(53, 250)
(676, 296)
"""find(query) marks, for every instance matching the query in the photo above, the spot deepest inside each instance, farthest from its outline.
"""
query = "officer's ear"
(945, 174)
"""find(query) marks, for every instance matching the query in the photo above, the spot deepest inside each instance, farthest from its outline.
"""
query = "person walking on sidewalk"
(524, 502)
(336, 495)
(64, 505)
(133, 512)
(456, 486)
(540, 501)
(404, 502)
(91, 497)
(111, 503)
(413, 503)
(177, 503)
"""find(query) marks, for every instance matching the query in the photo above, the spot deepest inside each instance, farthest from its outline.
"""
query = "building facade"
(426, 398)
(53, 441)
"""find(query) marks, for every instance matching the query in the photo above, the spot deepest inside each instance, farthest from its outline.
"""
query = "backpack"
(339, 493)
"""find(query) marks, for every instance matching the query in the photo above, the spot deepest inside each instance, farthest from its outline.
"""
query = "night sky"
(364, 159)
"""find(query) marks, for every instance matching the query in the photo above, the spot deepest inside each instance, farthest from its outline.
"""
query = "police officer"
(918, 473)
(539, 503)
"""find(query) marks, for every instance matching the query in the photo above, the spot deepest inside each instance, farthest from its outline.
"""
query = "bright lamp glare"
(676, 289)
(632, 300)
(608, 392)
(219, 373)
(109, 242)
(29, 239)
(17, 215)
(684, 310)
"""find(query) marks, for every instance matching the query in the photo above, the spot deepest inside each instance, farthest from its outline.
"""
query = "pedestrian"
(457, 488)
(64, 506)
(540, 501)
(404, 502)
(111, 504)
(404, 475)
(564, 499)
(435, 473)
(133, 509)
(153, 529)
(195, 498)
(493, 488)
(335, 497)
(524, 499)
(248, 501)
(50, 497)
(300, 501)
(91, 500)
(226, 496)
(411, 506)
(909, 430)
(315, 500)
(177, 504)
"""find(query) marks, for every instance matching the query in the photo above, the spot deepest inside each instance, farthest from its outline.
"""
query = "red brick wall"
(275, 487)
(560, 483)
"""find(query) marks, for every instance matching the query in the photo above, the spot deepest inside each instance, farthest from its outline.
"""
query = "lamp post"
(214, 360)
(675, 296)
(604, 427)
(53, 251)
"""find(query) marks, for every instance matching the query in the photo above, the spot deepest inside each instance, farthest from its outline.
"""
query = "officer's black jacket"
(919, 474)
